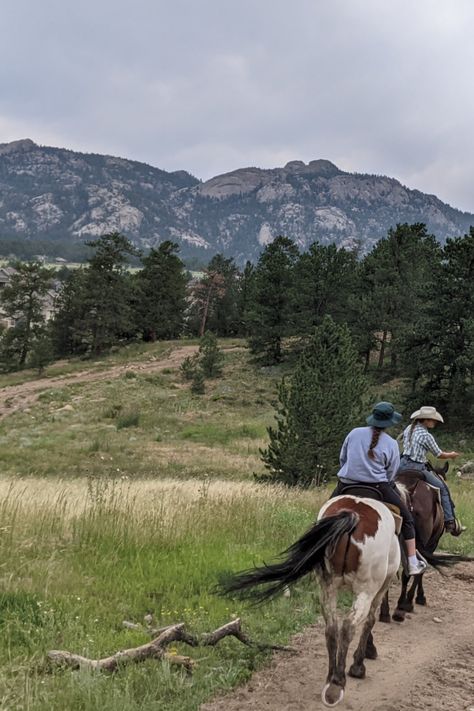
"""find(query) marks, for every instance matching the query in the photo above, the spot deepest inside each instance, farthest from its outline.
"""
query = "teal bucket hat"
(384, 415)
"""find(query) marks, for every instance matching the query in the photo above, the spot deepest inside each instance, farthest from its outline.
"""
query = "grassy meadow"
(131, 496)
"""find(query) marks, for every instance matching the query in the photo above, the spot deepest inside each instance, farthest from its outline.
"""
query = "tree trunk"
(382, 349)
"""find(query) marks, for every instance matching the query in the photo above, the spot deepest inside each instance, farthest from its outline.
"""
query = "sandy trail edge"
(422, 664)
(15, 398)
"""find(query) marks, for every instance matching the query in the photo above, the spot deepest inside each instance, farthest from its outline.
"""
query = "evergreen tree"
(439, 350)
(162, 293)
(204, 293)
(326, 279)
(210, 356)
(23, 301)
(245, 298)
(96, 311)
(318, 406)
(271, 315)
(70, 306)
(223, 317)
(393, 283)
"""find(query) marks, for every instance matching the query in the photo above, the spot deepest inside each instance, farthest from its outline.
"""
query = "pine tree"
(97, 308)
(326, 278)
(271, 315)
(245, 298)
(223, 311)
(23, 300)
(439, 350)
(162, 293)
(318, 405)
(393, 280)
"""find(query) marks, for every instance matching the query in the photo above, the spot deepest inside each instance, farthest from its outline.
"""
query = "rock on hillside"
(56, 193)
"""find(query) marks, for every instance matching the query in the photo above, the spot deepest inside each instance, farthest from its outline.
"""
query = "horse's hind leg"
(411, 593)
(366, 647)
(364, 607)
(420, 594)
(371, 649)
(385, 609)
(334, 690)
(399, 614)
(331, 694)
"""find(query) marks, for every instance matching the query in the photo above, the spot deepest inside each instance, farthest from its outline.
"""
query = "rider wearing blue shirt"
(370, 456)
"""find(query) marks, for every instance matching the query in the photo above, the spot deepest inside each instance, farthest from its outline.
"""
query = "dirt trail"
(422, 664)
(14, 398)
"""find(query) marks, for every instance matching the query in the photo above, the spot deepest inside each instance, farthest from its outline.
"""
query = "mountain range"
(61, 195)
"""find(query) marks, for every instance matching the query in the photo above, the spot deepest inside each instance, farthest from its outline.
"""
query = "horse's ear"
(446, 467)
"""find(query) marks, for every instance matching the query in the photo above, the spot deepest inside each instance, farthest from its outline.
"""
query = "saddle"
(367, 491)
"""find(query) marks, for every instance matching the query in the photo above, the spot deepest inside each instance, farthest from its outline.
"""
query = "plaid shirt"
(419, 444)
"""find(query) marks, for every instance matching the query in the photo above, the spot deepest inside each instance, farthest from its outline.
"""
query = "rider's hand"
(453, 455)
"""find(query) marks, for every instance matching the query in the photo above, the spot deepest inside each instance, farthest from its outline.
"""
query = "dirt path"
(14, 398)
(422, 664)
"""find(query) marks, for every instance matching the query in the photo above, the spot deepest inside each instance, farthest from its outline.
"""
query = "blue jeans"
(431, 478)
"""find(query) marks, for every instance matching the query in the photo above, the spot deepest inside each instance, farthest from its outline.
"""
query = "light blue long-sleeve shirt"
(356, 463)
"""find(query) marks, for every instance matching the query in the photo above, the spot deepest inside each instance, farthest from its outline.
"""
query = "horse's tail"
(442, 560)
(305, 555)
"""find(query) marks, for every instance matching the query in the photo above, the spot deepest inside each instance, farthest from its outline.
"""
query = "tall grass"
(80, 557)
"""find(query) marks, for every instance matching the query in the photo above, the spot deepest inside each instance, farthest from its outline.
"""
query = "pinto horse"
(353, 544)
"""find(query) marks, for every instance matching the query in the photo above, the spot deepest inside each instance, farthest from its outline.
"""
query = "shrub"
(128, 419)
(210, 356)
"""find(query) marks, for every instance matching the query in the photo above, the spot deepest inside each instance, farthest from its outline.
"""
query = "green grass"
(88, 559)
(144, 425)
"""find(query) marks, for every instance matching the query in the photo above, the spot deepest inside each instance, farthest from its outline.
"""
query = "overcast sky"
(376, 86)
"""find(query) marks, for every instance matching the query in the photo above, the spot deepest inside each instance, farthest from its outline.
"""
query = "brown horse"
(429, 523)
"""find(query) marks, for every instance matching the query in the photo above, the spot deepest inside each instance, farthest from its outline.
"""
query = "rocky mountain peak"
(21, 146)
(57, 194)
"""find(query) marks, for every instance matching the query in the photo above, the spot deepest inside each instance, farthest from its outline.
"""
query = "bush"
(189, 366)
(197, 384)
(210, 356)
(128, 419)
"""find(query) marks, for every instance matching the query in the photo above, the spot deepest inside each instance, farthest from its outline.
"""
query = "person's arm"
(432, 446)
(393, 463)
(448, 455)
(343, 453)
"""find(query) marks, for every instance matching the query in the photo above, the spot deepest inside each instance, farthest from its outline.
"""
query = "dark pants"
(390, 495)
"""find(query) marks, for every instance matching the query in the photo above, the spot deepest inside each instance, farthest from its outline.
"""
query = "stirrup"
(418, 569)
(454, 527)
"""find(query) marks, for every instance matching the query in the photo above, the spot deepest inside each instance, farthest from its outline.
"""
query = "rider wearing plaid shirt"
(417, 442)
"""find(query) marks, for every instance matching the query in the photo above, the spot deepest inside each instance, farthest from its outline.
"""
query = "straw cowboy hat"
(427, 413)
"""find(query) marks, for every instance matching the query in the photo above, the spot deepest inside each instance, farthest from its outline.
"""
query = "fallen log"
(156, 649)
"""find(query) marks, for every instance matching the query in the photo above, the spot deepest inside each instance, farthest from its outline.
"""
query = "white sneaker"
(418, 568)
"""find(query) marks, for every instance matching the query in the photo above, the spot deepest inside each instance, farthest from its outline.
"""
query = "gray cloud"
(212, 85)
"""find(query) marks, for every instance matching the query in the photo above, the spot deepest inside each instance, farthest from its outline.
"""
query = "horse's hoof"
(385, 618)
(371, 652)
(398, 616)
(421, 601)
(406, 607)
(332, 695)
(357, 671)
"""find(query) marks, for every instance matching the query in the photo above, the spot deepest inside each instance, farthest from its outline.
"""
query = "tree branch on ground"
(156, 649)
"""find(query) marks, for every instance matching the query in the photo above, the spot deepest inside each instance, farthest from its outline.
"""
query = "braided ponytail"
(412, 428)
(376, 432)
